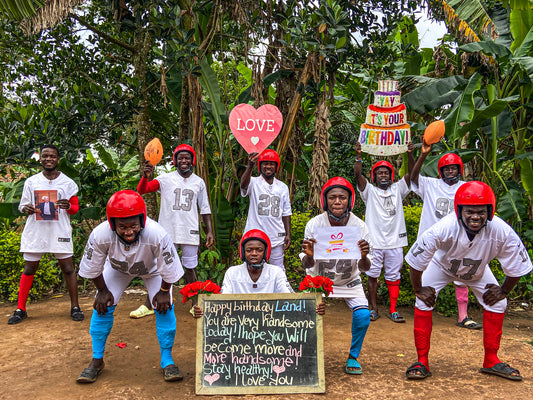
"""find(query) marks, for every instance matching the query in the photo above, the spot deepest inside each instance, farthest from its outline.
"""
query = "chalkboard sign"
(259, 343)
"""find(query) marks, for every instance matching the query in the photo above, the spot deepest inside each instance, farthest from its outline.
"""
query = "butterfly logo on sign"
(336, 244)
(255, 129)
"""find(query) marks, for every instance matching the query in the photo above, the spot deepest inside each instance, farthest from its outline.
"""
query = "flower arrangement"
(191, 290)
(317, 284)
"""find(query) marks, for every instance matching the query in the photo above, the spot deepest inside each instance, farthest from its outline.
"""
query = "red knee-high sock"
(26, 281)
(423, 324)
(394, 292)
(492, 334)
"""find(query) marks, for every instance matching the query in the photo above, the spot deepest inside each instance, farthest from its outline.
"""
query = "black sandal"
(76, 314)
(421, 369)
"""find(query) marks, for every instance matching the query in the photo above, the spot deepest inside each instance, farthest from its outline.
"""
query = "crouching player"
(125, 246)
(459, 248)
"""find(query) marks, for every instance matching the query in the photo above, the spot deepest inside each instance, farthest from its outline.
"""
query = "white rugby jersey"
(438, 200)
(344, 273)
(180, 200)
(268, 204)
(152, 254)
(446, 244)
(384, 214)
(272, 280)
(47, 236)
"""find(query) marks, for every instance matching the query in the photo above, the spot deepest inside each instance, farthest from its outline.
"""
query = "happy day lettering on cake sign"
(255, 129)
(385, 131)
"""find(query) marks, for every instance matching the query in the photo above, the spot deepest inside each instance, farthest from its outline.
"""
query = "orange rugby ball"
(434, 132)
(153, 151)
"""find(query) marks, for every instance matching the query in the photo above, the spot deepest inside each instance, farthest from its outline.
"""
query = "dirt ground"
(42, 356)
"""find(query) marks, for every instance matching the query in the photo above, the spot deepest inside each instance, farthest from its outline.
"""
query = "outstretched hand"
(148, 169)
(252, 159)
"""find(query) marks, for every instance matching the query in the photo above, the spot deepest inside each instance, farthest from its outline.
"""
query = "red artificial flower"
(191, 290)
(317, 284)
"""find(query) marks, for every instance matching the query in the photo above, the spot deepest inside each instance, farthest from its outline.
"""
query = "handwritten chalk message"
(259, 343)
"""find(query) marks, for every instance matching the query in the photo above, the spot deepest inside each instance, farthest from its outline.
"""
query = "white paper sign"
(337, 242)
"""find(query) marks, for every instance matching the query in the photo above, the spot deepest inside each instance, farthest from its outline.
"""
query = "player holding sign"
(437, 196)
(270, 206)
(337, 200)
(386, 223)
(182, 194)
(460, 247)
(125, 246)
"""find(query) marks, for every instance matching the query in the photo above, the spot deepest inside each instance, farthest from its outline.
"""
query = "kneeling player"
(130, 245)
(459, 248)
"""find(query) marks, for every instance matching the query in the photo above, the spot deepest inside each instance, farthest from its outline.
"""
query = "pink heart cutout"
(339, 236)
(211, 378)
(278, 369)
(255, 129)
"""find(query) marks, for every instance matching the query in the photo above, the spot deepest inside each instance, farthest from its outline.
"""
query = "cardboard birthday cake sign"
(255, 129)
(385, 131)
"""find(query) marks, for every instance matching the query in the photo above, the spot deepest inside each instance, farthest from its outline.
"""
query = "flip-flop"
(469, 323)
(395, 317)
(374, 315)
(89, 375)
(503, 370)
(423, 371)
(353, 363)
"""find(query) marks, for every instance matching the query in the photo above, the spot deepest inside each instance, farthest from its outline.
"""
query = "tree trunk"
(320, 164)
(141, 118)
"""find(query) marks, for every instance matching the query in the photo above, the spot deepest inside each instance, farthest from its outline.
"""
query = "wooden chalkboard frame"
(203, 389)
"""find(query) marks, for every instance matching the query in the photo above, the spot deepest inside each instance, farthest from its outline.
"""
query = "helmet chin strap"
(384, 185)
(451, 181)
(256, 266)
(337, 219)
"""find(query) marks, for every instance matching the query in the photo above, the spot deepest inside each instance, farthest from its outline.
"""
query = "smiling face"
(254, 251)
(337, 199)
(268, 168)
(474, 217)
(183, 162)
(128, 228)
(382, 175)
(49, 159)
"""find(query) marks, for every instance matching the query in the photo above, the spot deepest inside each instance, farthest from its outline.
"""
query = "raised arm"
(146, 186)
(415, 172)
(245, 178)
(357, 168)
(410, 163)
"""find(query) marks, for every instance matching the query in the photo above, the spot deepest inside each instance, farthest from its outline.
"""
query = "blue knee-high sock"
(100, 327)
(165, 325)
(360, 323)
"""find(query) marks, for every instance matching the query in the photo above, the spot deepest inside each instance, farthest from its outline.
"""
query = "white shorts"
(277, 256)
(37, 256)
(391, 259)
(117, 282)
(434, 276)
(357, 302)
(189, 255)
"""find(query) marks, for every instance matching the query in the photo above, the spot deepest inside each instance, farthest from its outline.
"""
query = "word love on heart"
(211, 378)
(255, 129)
